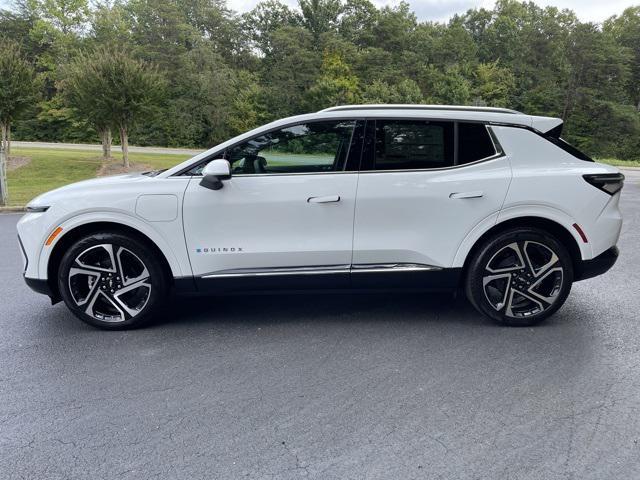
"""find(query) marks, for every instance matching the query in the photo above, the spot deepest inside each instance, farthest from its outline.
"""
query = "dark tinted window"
(409, 145)
(474, 143)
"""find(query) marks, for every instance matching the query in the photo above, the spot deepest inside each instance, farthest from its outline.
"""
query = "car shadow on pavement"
(331, 307)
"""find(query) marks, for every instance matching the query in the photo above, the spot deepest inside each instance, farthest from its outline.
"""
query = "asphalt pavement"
(325, 387)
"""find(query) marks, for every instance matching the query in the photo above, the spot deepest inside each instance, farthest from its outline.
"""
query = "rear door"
(424, 185)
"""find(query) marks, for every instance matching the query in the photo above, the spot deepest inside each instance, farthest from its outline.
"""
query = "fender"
(179, 266)
(519, 211)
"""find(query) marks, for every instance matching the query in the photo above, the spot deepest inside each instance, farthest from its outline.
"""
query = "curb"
(16, 209)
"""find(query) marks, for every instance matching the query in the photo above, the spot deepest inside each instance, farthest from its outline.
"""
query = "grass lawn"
(619, 163)
(50, 169)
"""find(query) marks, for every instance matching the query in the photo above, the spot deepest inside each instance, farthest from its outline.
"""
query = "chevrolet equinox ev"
(487, 201)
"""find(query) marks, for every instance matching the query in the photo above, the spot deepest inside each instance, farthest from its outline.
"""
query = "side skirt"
(329, 279)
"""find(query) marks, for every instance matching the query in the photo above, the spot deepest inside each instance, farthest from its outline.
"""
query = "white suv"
(488, 200)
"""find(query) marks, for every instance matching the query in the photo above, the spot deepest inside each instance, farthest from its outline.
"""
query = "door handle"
(476, 194)
(325, 199)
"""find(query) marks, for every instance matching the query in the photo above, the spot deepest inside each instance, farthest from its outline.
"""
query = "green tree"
(226, 72)
(405, 92)
(336, 85)
(450, 86)
(289, 71)
(109, 25)
(493, 85)
(320, 16)
(357, 21)
(58, 24)
(265, 19)
(122, 90)
(625, 29)
(18, 88)
(82, 89)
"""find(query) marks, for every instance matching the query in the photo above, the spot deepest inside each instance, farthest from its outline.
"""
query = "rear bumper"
(598, 265)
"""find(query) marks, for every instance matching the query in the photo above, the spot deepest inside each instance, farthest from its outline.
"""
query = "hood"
(88, 186)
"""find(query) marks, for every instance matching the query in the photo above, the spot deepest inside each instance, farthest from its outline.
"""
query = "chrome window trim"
(496, 156)
(355, 172)
(242, 175)
(487, 123)
(496, 145)
(452, 167)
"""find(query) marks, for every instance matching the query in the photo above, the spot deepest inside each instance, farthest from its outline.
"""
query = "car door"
(423, 187)
(285, 217)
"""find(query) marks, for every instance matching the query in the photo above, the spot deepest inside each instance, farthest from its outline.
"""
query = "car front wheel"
(519, 277)
(112, 281)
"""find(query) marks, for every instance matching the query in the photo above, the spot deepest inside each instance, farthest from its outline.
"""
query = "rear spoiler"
(549, 126)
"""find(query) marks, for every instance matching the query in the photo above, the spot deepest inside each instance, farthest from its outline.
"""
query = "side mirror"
(213, 174)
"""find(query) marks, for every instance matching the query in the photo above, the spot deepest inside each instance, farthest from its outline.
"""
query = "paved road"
(97, 147)
(327, 387)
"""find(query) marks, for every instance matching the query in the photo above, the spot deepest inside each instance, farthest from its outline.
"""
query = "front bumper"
(598, 265)
(39, 285)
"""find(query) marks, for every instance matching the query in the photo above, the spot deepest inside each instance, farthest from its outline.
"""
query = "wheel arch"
(562, 233)
(84, 229)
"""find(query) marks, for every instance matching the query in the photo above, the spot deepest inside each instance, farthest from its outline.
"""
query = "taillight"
(607, 182)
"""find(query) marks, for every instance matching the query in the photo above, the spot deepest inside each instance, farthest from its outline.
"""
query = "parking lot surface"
(325, 387)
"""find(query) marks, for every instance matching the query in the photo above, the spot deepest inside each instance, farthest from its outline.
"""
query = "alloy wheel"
(109, 283)
(523, 279)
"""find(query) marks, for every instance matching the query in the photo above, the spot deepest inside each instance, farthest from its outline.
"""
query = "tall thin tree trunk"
(8, 152)
(105, 138)
(3, 136)
(107, 144)
(103, 135)
(3, 167)
(124, 141)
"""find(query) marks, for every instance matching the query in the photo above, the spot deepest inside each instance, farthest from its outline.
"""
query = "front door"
(285, 218)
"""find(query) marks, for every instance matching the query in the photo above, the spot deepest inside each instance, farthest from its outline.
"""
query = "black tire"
(519, 285)
(108, 294)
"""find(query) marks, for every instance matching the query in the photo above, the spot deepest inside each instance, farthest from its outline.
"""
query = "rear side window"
(474, 143)
(411, 144)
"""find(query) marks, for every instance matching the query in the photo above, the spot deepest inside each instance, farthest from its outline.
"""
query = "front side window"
(413, 144)
(305, 148)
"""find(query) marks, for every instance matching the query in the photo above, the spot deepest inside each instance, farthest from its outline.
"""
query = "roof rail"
(341, 108)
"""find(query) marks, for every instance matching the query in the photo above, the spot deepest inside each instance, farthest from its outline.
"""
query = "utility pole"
(4, 195)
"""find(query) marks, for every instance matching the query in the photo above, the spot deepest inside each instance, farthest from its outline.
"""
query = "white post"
(4, 195)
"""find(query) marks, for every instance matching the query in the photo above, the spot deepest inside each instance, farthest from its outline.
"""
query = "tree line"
(193, 73)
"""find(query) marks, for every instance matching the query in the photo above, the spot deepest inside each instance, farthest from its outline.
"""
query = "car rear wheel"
(519, 277)
(112, 281)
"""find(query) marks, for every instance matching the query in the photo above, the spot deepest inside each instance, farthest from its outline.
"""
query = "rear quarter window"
(474, 143)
